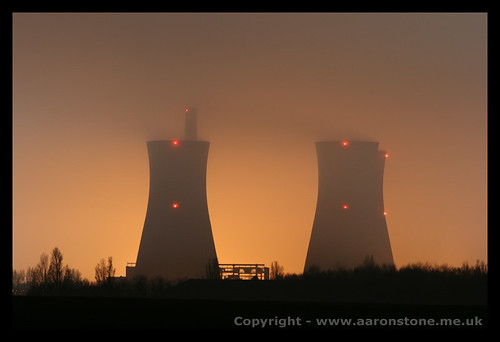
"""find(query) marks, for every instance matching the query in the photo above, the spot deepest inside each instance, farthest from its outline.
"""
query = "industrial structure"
(350, 221)
(244, 271)
(177, 241)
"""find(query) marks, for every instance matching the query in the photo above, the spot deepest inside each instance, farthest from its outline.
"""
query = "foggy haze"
(90, 89)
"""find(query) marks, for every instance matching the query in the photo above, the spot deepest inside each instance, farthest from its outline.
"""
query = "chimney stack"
(190, 132)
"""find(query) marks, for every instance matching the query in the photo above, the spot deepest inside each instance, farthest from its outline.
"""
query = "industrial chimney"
(177, 241)
(350, 221)
(191, 131)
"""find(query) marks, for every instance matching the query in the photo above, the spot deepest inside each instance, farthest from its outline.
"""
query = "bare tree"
(277, 271)
(111, 269)
(100, 272)
(72, 276)
(31, 276)
(104, 271)
(38, 275)
(56, 269)
(19, 282)
(43, 267)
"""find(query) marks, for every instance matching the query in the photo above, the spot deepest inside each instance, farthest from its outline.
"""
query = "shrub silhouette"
(415, 283)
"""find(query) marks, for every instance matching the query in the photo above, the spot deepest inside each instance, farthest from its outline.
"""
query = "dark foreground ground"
(367, 300)
(368, 297)
(167, 313)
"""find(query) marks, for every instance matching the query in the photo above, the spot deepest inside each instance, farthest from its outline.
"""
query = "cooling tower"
(350, 220)
(177, 241)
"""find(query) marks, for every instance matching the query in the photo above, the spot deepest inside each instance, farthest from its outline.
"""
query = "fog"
(90, 89)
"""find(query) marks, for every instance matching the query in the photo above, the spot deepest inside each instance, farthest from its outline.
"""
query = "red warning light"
(175, 142)
(345, 206)
(385, 213)
(175, 205)
(345, 143)
(387, 155)
(187, 109)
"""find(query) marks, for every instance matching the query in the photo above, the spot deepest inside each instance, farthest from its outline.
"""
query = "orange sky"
(90, 89)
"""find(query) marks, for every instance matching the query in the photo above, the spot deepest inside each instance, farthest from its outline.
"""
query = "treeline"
(51, 277)
(415, 283)
(417, 270)
(468, 282)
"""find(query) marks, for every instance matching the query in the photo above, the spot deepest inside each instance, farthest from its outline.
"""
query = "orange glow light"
(385, 213)
(387, 155)
(345, 143)
(187, 109)
(175, 205)
(175, 142)
(345, 206)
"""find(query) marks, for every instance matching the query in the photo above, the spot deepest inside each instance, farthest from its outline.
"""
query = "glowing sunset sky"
(90, 89)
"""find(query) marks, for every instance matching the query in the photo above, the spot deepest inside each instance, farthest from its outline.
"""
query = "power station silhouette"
(177, 240)
(350, 223)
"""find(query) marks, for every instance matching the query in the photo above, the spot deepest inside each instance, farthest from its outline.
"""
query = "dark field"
(162, 313)
(285, 304)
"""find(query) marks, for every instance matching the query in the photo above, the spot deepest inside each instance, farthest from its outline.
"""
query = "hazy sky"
(90, 89)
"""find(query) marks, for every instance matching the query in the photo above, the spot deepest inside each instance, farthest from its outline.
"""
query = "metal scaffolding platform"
(244, 271)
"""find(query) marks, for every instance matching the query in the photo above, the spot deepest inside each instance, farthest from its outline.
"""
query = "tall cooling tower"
(350, 223)
(177, 239)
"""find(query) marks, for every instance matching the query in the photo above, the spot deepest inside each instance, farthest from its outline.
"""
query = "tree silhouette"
(43, 267)
(277, 271)
(38, 275)
(56, 269)
(19, 282)
(104, 271)
(72, 276)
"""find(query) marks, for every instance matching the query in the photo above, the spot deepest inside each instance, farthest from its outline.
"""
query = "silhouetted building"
(177, 239)
(350, 221)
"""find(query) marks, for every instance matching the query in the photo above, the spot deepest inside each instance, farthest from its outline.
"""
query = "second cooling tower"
(349, 224)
